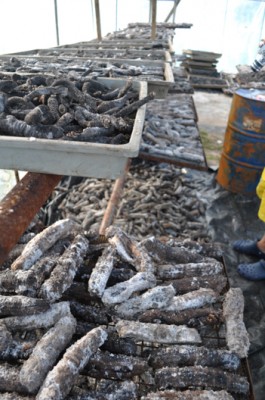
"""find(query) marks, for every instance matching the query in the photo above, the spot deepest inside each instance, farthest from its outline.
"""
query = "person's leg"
(261, 244)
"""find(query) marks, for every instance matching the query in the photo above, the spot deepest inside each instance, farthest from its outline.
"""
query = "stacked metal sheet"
(202, 70)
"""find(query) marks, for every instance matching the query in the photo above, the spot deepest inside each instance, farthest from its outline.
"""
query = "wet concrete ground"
(231, 217)
(213, 112)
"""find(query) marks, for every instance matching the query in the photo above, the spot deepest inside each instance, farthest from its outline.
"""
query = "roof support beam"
(56, 22)
(173, 11)
(97, 10)
(153, 32)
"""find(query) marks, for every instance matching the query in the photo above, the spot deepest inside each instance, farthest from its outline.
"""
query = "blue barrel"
(243, 156)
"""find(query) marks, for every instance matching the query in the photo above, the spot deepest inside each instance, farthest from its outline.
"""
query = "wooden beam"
(97, 10)
(153, 34)
(173, 11)
(113, 203)
(56, 22)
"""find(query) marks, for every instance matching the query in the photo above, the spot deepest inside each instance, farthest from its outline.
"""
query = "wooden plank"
(153, 33)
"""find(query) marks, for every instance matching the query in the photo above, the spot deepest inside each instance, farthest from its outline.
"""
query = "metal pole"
(56, 22)
(92, 13)
(153, 35)
(116, 24)
(98, 20)
(150, 11)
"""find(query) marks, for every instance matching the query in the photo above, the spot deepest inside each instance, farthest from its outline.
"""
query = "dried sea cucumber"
(129, 109)
(5, 337)
(117, 345)
(44, 240)
(236, 334)
(122, 291)
(188, 284)
(15, 396)
(162, 252)
(157, 297)
(107, 390)
(105, 365)
(21, 305)
(129, 250)
(190, 317)
(189, 395)
(101, 272)
(196, 299)
(175, 271)
(211, 249)
(211, 378)
(89, 313)
(9, 379)
(15, 127)
(45, 353)
(26, 282)
(41, 320)
(64, 272)
(61, 378)
(157, 333)
(17, 349)
(185, 355)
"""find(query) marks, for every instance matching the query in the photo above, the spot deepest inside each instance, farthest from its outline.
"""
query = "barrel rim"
(259, 91)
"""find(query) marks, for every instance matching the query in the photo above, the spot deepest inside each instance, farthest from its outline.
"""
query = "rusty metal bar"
(111, 209)
(177, 163)
(20, 205)
(97, 10)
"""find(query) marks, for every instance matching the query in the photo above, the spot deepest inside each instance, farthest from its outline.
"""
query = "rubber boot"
(252, 272)
(248, 247)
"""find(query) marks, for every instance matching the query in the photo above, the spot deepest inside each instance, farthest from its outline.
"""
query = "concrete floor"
(213, 112)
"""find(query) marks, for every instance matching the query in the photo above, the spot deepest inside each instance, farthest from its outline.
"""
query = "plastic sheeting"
(230, 27)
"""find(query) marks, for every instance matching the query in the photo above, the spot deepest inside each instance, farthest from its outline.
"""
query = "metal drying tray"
(124, 43)
(95, 160)
(160, 87)
(151, 54)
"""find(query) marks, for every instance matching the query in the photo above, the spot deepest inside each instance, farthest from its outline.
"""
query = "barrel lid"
(254, 94)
